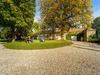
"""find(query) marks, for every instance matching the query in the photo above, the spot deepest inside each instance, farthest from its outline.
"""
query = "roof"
(58, 31)
(90, 29)
(76, 30)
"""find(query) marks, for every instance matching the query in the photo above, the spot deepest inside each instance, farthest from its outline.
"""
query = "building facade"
(47, 35)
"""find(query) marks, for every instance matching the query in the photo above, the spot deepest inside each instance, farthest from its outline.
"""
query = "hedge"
(95, 40)
(34, 36)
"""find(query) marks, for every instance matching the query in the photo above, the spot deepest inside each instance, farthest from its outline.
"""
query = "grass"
(37, 45)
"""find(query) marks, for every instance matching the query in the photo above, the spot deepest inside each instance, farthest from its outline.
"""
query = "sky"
(95, 3)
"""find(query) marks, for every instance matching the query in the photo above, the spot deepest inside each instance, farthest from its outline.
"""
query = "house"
(47, 35)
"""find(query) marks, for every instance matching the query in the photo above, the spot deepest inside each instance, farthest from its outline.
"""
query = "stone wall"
(88, 32)
(65, 36)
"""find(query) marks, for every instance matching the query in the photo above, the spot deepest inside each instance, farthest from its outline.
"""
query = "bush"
(3, 36)
(90, 37)
(5, 40)
(95, 40)
(34, 36)
(68, 36)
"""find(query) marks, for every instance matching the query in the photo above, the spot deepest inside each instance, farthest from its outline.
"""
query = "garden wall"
(88, 32)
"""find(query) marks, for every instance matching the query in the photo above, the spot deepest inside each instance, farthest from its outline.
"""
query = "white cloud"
(96, 13)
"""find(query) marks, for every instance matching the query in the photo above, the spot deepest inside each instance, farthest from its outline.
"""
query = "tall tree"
(17, 14)
(66, 14)
(36, 27)
(48, 16)
(96, 25)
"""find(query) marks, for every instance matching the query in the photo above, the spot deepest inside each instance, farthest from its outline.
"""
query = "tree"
(36, 27)
(48, 16)
(17, 14)
(96, 25)
(66, 14)
(6, 33)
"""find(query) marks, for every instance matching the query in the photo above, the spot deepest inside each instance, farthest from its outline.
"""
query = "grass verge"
(37, 45)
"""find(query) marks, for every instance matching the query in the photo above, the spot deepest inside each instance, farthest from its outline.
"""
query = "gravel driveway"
(81, 58)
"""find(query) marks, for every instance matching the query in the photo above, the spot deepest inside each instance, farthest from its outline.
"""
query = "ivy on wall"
(79, 35)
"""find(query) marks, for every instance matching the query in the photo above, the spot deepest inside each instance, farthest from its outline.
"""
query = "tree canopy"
(66, 14)
(17, 14)
(96, 23)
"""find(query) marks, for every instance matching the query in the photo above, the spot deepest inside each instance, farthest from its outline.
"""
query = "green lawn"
(37, 45)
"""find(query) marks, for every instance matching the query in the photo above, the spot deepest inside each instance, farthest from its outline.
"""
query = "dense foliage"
(5, 40)
(65, 14)
(18, 15)
(96, 25)
(90, 38)
(95, 40)
(34, 36)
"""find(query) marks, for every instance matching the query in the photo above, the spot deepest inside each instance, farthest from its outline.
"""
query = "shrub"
(90, 37)
(3, 36)
(34, 36)
(5, 40)
(95, 40)
(68, 36)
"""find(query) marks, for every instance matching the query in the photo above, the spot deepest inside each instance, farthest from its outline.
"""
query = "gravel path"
(81, 58)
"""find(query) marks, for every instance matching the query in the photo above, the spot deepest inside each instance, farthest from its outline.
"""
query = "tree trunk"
(18, 37)
(53, 34)
(13, 34)
(62, 34)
